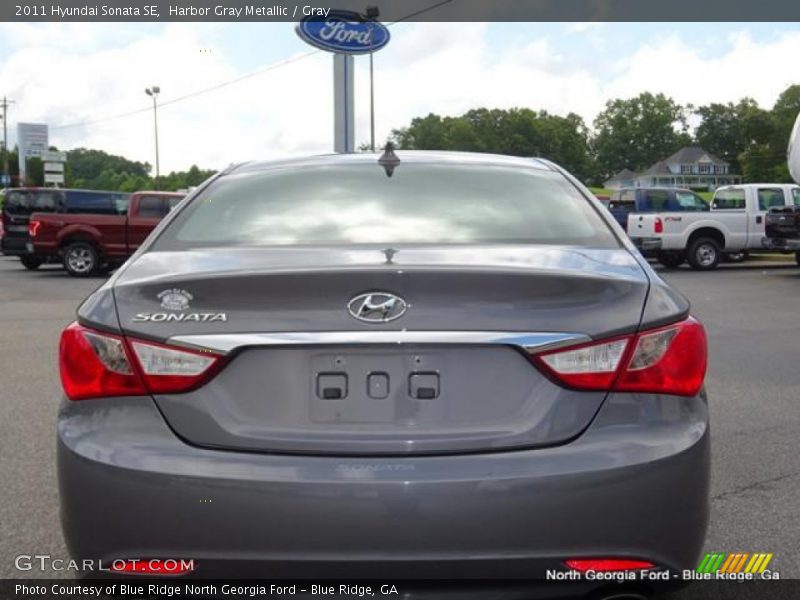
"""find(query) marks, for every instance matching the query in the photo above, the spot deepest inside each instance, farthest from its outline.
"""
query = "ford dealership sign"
(343, 32)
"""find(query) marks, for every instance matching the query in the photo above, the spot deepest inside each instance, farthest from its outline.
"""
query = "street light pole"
(372, 13)
(153, 92)
(6, 173)
(371, 91)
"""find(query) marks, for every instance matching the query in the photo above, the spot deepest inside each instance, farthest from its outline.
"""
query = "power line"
(235, 80)
(192, 94)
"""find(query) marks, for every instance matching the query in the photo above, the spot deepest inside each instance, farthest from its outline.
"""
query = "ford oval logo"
(377, 307)
(343, 32)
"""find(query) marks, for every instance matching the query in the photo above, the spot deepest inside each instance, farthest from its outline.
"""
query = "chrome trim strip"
(528, 341)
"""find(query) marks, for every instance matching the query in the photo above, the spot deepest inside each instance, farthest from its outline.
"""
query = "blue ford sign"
(343, 32)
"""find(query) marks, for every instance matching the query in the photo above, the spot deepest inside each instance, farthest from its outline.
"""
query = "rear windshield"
(359, 204)
(25, 202)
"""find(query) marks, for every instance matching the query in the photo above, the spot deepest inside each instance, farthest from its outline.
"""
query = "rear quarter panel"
(107, 231)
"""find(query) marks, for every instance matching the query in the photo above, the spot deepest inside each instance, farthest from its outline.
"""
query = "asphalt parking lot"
(752, 313)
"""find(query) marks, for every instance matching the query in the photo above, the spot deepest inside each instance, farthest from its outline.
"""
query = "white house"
(690, 167)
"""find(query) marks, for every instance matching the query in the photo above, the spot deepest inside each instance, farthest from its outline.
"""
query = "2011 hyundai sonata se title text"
(416, 365)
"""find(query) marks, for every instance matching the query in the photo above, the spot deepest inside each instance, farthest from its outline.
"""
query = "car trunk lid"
(450, 375)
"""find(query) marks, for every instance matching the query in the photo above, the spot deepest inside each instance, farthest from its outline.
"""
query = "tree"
(728, 130)
(764, 157)
(34, 171)
(90, 168)
(517, 132)
(637, 132)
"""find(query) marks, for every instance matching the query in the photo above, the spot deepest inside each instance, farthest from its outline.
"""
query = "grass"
(601, 191)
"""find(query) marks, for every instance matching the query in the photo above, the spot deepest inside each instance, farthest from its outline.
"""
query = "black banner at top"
(402, 10)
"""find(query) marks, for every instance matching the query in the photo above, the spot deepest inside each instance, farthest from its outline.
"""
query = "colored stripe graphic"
(717, 563)
(704, 563)
(729, 562)
(739, 562)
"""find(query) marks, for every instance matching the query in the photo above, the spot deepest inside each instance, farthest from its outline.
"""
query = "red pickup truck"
(85, 243)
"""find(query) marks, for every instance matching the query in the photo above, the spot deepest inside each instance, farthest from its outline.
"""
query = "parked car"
(86, 242)
(783, 227)
(649, 200)
(428, 363)
(734, 224)
(783, 223)
(20, 203)
(793, 151)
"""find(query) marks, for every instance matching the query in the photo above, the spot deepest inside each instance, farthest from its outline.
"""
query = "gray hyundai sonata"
(421, 364)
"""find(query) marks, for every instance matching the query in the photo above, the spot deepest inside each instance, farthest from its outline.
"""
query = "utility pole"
(372, 13)
(153, 93)
(6, 173)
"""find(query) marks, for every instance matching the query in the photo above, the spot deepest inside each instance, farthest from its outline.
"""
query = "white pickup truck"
(734, 224)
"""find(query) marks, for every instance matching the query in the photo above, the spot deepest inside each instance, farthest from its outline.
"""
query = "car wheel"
(30, 262)
(81, 259)
(704, 254)
(671, 260)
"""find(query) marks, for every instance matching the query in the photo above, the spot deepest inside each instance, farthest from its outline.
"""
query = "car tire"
(704, 254)
(671, 260)
(30, 262)
(81, 259)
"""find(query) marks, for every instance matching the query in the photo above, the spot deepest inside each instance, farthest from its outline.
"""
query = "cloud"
(446, 68)
(677, 68)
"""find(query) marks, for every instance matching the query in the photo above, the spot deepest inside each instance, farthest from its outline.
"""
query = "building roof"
(660, 168)
(692, 154)
(622, 175)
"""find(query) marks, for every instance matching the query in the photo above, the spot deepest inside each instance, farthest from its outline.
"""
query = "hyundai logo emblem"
(377, 307)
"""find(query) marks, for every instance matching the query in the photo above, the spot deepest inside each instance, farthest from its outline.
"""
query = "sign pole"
(343, 103)
(6, 171)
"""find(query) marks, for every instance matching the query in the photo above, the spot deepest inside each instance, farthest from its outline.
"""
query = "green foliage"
(728, 130)
(752, 139)
(34, 171)
(637, 132)
(98, 170)
(516, 132)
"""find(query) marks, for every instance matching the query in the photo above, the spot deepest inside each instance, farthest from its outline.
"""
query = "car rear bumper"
(780, 243)
(635, 484)
(647, 244)
(13, 246)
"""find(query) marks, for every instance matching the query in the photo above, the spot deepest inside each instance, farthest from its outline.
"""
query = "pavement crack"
(756, 485)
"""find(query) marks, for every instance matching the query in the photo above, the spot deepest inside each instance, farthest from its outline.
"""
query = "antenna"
(389, 160)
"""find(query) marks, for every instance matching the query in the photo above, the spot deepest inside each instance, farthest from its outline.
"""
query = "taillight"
(658, 227)
(96, 364)
(168, 370)
(2, 231)
(607, 565)
(668, 360)
(591, 366)
(33, 227)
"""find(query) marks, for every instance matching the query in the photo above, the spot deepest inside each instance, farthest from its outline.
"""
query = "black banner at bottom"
(137, 588)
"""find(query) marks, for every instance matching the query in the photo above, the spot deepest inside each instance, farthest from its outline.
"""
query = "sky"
(72, 74)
